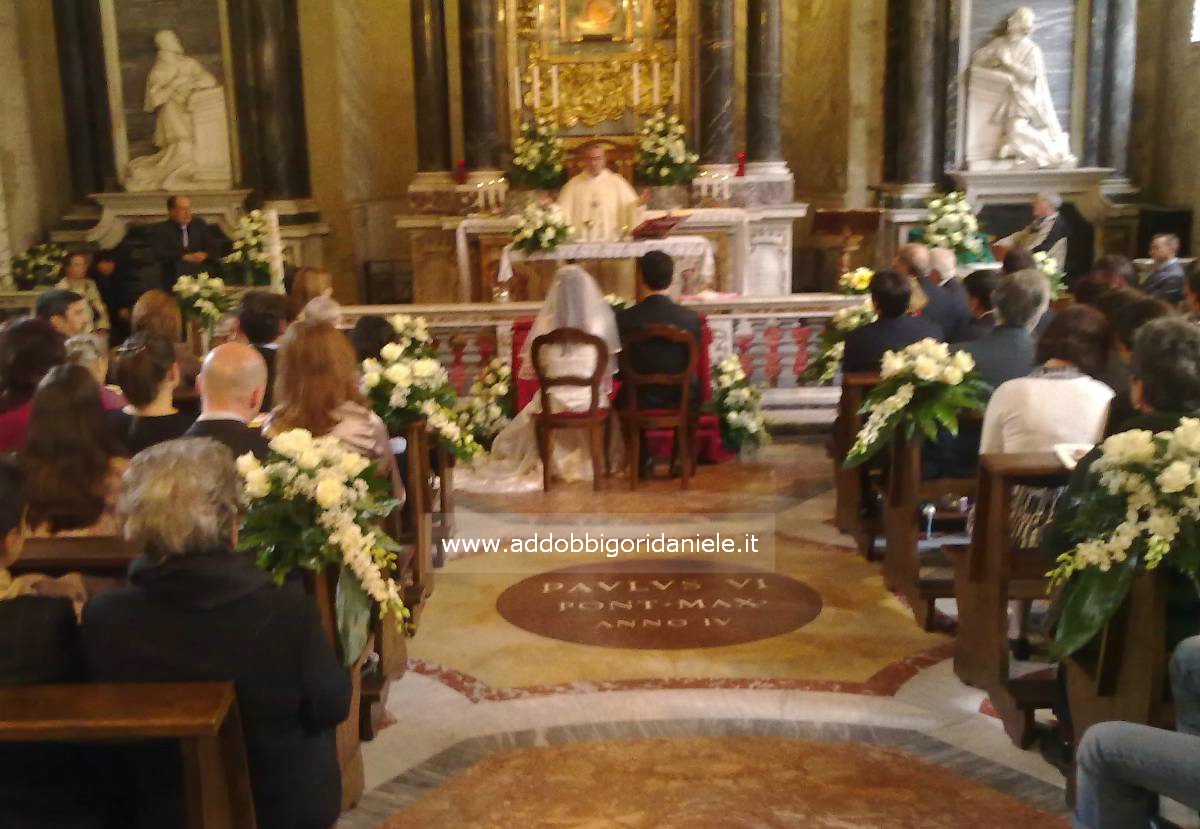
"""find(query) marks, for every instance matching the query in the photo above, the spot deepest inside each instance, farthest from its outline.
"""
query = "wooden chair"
(903, 571)
(595, 419)
(989, 573)
(852, 514)
(100, 555)
(635, 420)
(202, 716)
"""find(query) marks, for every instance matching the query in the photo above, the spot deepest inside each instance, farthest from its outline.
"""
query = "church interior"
(599, 413)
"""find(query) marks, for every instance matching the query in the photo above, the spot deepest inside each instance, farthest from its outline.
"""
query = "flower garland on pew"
(922, 388)
(738, 405)
(489, 407)
(202, 298)
(315, 504)
(832, 344)
(409, 383)
(1140, 509)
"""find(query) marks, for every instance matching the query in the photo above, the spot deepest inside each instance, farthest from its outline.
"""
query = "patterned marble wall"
(198, 25)
(1055, 34)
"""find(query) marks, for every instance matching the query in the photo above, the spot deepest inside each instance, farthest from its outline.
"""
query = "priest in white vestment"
(602, 207)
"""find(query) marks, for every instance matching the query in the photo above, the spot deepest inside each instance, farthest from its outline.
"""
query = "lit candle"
(537, 88)
(516, 91)
(637, 84)
(657, 98)
(554, 85)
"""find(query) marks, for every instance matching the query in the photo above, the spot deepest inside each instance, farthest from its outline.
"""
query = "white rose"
(353, 464)
(246, 463)
(892, 365)
(963, 361)
(952, 375)
(1185, 440)
(391, 352)
(258, 483)
(398, 374)
(310, 458)
(329, 492)
(926, 368)
(1129, 447)
(1176, 477)
(371, 379)
(291, 443)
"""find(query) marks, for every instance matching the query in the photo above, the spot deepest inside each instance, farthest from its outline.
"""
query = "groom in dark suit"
(658, 308)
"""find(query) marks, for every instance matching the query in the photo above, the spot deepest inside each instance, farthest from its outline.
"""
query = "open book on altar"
(658, 228)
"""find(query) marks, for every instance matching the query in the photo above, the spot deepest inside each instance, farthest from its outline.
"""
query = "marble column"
(716, 81)
(432, 96)
(916, 87)
(1112, 55)
(477, 20)
(270, 98)
(85, 97)
(764, 80)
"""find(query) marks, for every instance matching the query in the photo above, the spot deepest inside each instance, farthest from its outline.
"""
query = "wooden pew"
(904, 491)
(202, 716)
(442, 501)
(851, 485)
(989, 573)
(90, 555)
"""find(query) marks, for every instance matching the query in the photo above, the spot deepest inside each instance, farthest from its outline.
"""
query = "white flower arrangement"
(1139, 508)
(538, 156)
(202, 298)
(662, 153)
(249, 254)
(857, 281)
(738, 404)
(542, 227)
(313, 504)
(489, 406)
(922, 388)
(617, 303)
(952, 224)
(39, 266)
(1053, 271)
(413, 337)
(832, 345)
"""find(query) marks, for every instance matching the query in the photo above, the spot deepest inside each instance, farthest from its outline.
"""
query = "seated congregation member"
(263, 318)
(90, 351)
(117, 292)
(1008, 351)
(1060, 401)
(1166, 280)
(232, 384)
(316, 388)
(72, 461)
(196, 610)
(943, 265)
(980, 287)
(514, 464)
(146, 369)
(369, 335)
(1110, 273)
(76, 280)
(65, 310)
(1123, 767)
(29, 348)
(157, 312)
(308, 284)
(1127, 321)
(1017, 259)
(944, 309)
(324, 309)
(895, 328)
(1191, 298)
(657, 308)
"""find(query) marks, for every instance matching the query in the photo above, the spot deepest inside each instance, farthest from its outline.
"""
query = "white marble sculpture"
(191, 130)
(1011, 120)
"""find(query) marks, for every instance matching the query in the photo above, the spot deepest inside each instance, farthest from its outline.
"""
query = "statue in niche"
(191, 127)
(1008, 82)
(603, 20)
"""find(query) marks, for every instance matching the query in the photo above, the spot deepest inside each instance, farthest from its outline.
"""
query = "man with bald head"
(232, 384)
(948, 312)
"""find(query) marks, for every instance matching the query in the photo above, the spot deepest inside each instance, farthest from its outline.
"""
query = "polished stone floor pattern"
(851, 718)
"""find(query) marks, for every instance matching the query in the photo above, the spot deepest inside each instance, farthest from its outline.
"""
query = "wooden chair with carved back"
(852, 515)
(596, 418)
(992, 571)
(201, 716)
(682, 419)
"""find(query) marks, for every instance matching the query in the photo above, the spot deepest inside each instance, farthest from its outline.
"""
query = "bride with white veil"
(574, 301)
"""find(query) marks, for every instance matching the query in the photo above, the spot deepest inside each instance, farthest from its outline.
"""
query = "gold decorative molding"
(592, 92)
(665, 20)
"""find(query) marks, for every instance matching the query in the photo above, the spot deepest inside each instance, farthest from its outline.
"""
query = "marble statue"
(1011, 116)
(191, 129)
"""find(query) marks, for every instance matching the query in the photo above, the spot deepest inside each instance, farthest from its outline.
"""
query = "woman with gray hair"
(197, 610)
(91, 352)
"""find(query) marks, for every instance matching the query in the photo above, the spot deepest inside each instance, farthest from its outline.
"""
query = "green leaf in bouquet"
(352, 607)
(1090, 600)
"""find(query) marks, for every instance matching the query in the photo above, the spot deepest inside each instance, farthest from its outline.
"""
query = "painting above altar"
(597, 20)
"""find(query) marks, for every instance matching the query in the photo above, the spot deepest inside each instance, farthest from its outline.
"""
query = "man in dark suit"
(1167, 280)
(980, 287)
(232, 384)
(196, 610)
(945, 309)
(657, 308)
(895, 328)
(1047, 233)
(185, 244)
(1008, 351)
(262, 318)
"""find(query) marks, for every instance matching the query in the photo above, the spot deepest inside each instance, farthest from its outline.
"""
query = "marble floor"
(511, 716)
